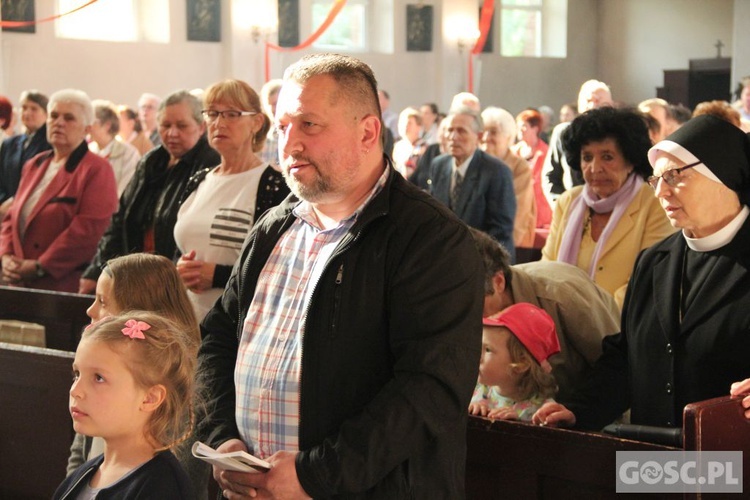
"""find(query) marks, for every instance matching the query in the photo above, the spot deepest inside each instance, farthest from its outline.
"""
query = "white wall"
(116, 71)
(122, 71)
(518, 83)
(626, 43)
(740, 42)
(638, 39)
(413, 78)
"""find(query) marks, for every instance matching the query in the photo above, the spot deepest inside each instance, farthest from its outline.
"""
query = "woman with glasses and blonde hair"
(685, 323)
(603, 225)
(221, 203)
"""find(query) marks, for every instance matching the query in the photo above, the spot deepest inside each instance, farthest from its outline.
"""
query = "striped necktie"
(458, 179)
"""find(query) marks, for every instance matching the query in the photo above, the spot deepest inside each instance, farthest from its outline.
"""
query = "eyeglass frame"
(206, 114)
(673, 179)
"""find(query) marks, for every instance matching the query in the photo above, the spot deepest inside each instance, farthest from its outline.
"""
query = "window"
(348, 31)
(533, 28)
(115, 20)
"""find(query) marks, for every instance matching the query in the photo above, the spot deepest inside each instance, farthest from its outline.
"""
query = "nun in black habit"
(686, 318)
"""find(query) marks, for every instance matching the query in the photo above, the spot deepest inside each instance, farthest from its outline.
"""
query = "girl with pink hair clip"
(133, 383)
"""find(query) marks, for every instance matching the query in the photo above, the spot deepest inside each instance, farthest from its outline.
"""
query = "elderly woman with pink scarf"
(602, 226)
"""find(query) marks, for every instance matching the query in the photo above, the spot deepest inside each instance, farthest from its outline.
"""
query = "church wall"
(638, 39)
(626, 43)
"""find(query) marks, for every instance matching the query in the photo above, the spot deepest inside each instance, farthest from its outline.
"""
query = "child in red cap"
(515, 377)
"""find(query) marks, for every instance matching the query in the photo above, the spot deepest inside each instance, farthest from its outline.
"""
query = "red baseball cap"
(533, 327)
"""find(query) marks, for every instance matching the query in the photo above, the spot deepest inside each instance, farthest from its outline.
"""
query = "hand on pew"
(481, 409)
(554, 415)
(742, 388)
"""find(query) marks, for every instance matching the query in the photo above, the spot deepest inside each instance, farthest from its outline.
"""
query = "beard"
(313, 191)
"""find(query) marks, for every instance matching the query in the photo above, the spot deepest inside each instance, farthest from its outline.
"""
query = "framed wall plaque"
(419, 28)
(288, 23)
(204, 20)
(19, 10)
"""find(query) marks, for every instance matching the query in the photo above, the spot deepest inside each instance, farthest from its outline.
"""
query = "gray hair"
(179, 97)
(106, 113)
(464, 100)
(74, 96)
(268, 89)
(147, 96)
(477, 124)
(502, 119)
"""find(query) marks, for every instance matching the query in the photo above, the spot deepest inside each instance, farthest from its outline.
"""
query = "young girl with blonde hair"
(146, 282)
(133, 379)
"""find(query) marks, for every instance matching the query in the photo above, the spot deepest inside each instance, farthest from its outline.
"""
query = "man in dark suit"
(476, 186)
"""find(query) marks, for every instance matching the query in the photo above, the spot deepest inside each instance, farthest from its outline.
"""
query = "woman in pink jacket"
(63, 204)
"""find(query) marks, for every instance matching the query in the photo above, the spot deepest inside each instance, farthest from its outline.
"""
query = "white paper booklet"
(239, 461)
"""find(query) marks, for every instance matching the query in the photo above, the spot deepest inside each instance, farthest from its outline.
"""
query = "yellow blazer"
(524, 225)
(643, 224)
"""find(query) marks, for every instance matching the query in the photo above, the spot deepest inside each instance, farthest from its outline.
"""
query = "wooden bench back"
(520, 460)
(63, 315)
(35, 425)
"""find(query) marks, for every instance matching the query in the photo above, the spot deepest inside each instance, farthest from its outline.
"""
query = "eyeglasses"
(671, 177)
(231, 115)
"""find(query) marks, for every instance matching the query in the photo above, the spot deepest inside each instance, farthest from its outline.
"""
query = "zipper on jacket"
(337, 300)
(339, 276)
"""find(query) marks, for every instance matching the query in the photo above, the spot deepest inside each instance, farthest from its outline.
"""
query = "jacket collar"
(191, 157)
(73, 160)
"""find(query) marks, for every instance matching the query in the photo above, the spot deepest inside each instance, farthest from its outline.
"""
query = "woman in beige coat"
(499, 131)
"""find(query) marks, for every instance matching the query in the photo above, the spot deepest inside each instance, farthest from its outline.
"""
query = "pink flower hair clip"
(134, 329)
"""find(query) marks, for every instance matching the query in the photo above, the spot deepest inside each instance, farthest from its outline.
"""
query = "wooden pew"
(62, 314)
(718, 425)
(520, 460)
(35, 426)
(505, 459)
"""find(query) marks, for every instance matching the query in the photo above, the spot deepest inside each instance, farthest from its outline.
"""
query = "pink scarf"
(615, 203)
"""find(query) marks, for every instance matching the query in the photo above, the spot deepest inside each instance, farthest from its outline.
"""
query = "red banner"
(335, 9)
(485, 21)
(21, 24)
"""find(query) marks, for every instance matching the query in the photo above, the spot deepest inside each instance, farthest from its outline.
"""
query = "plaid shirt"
(267, 372)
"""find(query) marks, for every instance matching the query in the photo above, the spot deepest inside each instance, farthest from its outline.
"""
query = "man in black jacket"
(346, 345)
